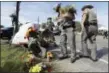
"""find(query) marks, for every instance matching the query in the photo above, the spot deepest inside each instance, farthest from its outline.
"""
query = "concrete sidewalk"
(83, 64)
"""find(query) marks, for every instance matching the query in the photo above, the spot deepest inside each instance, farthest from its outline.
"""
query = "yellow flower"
(35, 68)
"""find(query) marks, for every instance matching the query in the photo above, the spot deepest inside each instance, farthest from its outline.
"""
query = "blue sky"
(29, 11)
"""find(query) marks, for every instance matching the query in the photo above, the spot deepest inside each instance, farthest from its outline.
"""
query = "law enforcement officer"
(34, 43)
(67, 26)
(47, 36)
(44, 35)
(105, 34)
(89, 31)
(50, 24)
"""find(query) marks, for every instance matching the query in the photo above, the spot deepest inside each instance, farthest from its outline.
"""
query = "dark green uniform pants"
(35, 47)
(90, 33)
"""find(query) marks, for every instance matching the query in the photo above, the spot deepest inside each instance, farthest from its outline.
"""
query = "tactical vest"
(92, 17)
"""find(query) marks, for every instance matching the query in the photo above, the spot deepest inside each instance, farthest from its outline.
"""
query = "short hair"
(49, 18)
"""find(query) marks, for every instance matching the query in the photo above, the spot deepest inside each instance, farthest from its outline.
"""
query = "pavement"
(84, 64)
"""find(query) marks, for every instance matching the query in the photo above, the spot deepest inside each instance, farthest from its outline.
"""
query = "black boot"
(61, 56)
(83, 56)
(94, 60)
(72, 60)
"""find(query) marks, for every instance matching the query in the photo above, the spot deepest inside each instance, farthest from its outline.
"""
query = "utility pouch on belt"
(69, 24)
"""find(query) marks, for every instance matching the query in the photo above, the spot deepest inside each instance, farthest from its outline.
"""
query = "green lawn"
(10, 58)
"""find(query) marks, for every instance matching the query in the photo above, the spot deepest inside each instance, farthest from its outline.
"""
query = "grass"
(10, 58)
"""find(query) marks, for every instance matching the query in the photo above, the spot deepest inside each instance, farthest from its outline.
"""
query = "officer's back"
(89, 32)
(92, 18)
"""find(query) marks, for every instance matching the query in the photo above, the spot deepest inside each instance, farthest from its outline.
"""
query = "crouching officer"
(34, 44)
(89, 31)
(67, 26)
(49, 26)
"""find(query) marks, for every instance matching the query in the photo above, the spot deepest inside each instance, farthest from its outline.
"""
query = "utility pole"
(38, 19)
(17, 15)
(15, 18)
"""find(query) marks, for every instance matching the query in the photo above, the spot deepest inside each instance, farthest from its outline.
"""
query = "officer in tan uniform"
(89, 31)
(66, 17)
